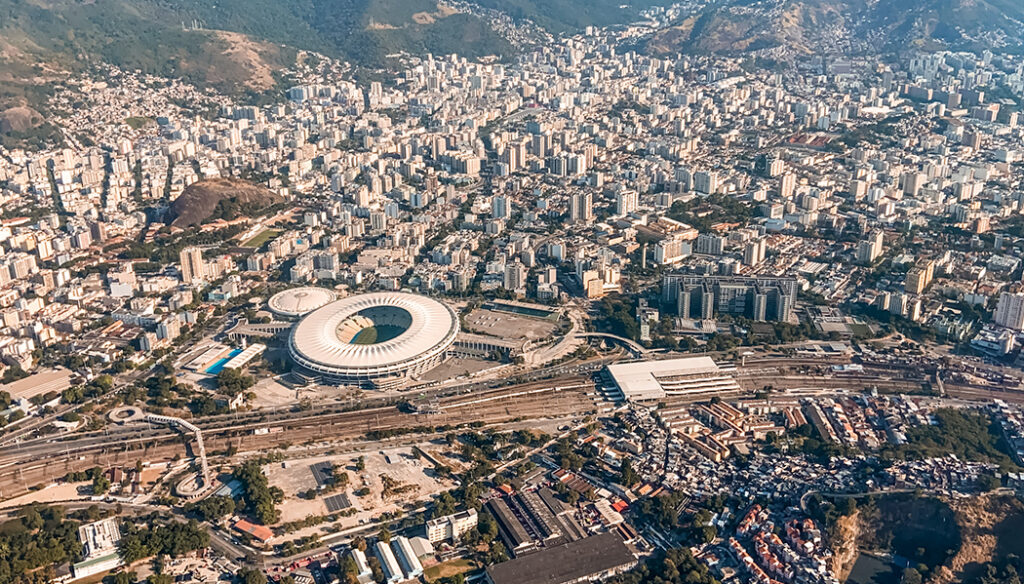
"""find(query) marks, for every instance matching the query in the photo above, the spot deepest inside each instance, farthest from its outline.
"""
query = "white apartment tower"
(581, 208)
(1010, 311)
(705, 182)
(515, 277)
(754, 252)
(787, 185)
(192, 267)
(625, 202)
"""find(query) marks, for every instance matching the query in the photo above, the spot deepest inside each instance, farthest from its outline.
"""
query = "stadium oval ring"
(373, 339)
(297, 302)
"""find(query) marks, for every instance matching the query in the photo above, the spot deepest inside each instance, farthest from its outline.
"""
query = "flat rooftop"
(651, 380)
(578, 561)
(38, 384)
(99, 538)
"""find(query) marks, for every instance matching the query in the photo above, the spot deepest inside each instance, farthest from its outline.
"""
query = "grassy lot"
(861, 330)
(376, 334)
(449, 568)
(136, 122)
(262, 237)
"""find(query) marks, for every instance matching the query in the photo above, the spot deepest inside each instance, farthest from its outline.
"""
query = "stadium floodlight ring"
(381, 335)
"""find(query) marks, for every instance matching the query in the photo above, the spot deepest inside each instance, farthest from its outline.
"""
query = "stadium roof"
(327, 340)
(300, 301)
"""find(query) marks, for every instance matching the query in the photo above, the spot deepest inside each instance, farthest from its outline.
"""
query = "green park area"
(262, 237)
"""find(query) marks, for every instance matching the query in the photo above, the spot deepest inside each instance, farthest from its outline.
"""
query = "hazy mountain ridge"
(236, 46)
(804, 27)
(241, 45)
(239, 42)
(154, 34)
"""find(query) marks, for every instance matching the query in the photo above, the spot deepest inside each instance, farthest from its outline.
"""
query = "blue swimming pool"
(219, 363)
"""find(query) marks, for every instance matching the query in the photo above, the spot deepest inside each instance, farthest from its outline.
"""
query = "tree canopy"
(259, 497)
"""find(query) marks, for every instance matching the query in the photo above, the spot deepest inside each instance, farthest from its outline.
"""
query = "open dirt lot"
(408, 480)
(273, 392)
(457, 367)
(509, 326)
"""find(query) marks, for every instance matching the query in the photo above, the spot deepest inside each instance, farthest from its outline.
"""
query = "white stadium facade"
(379, 339)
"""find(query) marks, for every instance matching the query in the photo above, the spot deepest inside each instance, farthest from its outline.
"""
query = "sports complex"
(298, 302)
(376, 340)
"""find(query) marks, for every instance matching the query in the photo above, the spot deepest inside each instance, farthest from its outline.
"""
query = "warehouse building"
(407, 557)
(585, 560)
(364, 574)
(517, 539)
(388, 563)
(654, 380)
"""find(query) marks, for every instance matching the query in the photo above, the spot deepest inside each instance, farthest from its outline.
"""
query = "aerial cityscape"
(511, 292)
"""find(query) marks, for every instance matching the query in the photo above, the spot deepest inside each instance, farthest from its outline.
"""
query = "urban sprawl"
(533, 321)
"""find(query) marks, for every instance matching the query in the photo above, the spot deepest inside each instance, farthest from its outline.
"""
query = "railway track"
(46, 460)
(247, 421)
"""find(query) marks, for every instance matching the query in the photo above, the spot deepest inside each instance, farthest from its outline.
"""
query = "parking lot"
(509, 326)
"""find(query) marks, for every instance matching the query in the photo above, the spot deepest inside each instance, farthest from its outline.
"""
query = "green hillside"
(148, 34)
(127, 33)
(242, 44)
(239, 46)
(570, 15)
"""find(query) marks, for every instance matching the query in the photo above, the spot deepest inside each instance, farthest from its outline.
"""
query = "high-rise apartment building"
(499, 207)
(581, 208)
(702, 297)
(919, 277)
(192, 267)
(708, 244)
(1010, 311)
(787, 185)
(869, 249)
(754, 252)
(515, 277)
(626, 202)
(705, 182)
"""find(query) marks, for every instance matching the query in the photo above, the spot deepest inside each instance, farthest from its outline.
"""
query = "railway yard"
(391, 445)
(47, 458)
(567, 394)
